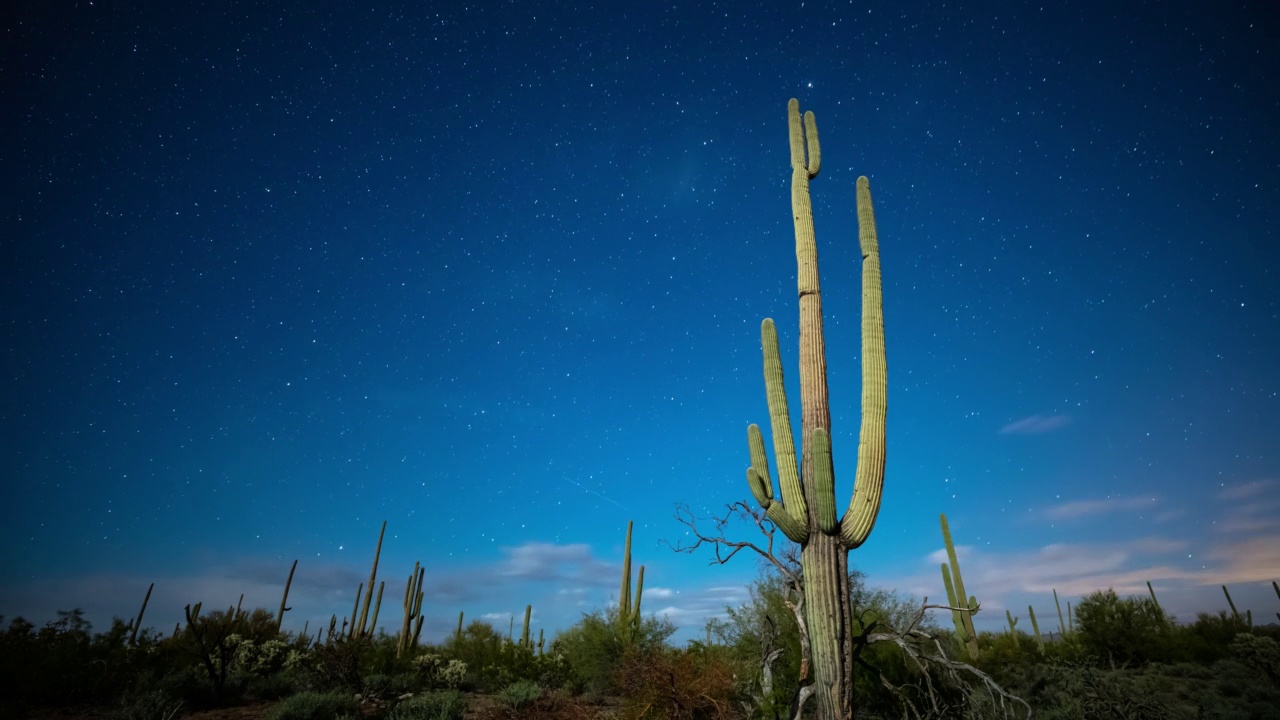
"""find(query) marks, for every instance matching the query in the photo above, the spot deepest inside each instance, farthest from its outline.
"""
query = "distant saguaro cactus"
(963, 607)
(807, 511)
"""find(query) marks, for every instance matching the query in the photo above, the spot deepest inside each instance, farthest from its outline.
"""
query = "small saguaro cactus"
(956, 597)
(1062, 625)
(526, 642)
(411, 626)
(137, 623)
(1276, 587)
(1035, 627)
(285, 598)
(628, 612)
(1012, 622)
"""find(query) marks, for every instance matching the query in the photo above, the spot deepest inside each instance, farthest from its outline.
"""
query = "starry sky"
(493, 272)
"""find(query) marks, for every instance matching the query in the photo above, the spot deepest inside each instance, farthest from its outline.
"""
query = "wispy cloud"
(1035, 424)
(1241, 491)
(1085, 508)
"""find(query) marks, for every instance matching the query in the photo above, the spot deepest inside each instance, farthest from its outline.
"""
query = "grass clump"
(443, 705)
(311, 705)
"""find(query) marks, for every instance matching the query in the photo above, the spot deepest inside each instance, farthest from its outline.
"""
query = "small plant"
(445, 705)
(148, 705)
(311, 705)
(520, 694)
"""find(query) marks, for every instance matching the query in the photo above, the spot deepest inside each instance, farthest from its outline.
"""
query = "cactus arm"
(1013, 621)
(784, 447)
(1035, 626)
(868, 484)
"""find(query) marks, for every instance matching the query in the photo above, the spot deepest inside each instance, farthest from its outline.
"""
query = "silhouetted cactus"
(285, 597)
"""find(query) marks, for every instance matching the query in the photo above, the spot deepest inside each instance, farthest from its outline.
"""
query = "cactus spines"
(805, 512)
(957, 595)
(1012, 621)
(1035, 627)
(285, 597)
(137, 623)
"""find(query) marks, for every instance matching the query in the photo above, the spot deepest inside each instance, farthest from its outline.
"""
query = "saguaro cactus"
(285, 597)
(963, 606)
(806, 512)
(1013, 621)
(628, 612)
(411, 626)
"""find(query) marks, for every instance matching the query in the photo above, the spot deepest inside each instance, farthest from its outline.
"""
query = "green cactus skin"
(540, 641)
(1013, 621)
(377, 605)
(825, 540)
(350, 634)
(964, 620)
(458, 633)
(1035, 627)
(411, 626)
(368, 596)
(629, 611)
(525, 641)
(285, 598)
(1152, 591)
(1062, 625)
(137, 623)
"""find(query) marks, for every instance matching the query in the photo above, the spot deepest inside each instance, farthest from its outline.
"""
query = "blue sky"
(279, 272)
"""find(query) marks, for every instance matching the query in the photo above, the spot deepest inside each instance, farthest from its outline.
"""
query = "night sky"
(494, 273)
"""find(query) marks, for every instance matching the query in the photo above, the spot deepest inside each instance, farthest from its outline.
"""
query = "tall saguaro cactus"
(963, 606)
(629, 612)
(806, 512)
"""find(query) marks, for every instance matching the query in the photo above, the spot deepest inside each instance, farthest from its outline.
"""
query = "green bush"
(444, 705)
(311, 705)
(1128, 631)
(520, 694)
(594, 647)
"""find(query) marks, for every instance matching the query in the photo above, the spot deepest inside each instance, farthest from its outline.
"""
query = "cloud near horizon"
(1084, 508)
(1035, 425)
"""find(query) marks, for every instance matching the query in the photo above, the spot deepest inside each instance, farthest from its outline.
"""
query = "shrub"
(311, 705)
(446, 705)
(520, 694)
(1132, 630)
(687, 684)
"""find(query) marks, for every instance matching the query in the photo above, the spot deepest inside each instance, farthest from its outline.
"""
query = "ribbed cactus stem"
(624, 593)
(1013, 621)
(1035, 627)
(525, 640)
(966, 631)
(285, 597)
(137, 623)
(373, 574)
(1062, 625)
(354, 610)
(412, 623)
(377, 605)
(1232, 605)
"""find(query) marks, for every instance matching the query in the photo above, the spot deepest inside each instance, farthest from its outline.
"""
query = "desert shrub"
(1131, 630)
(311, 705)
(335, 665)
(1260, 653)
(445, 705)
(277, 685)
(520, 694)
(593, 648)
(435, 671)
(146, 705)
(690, 684)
